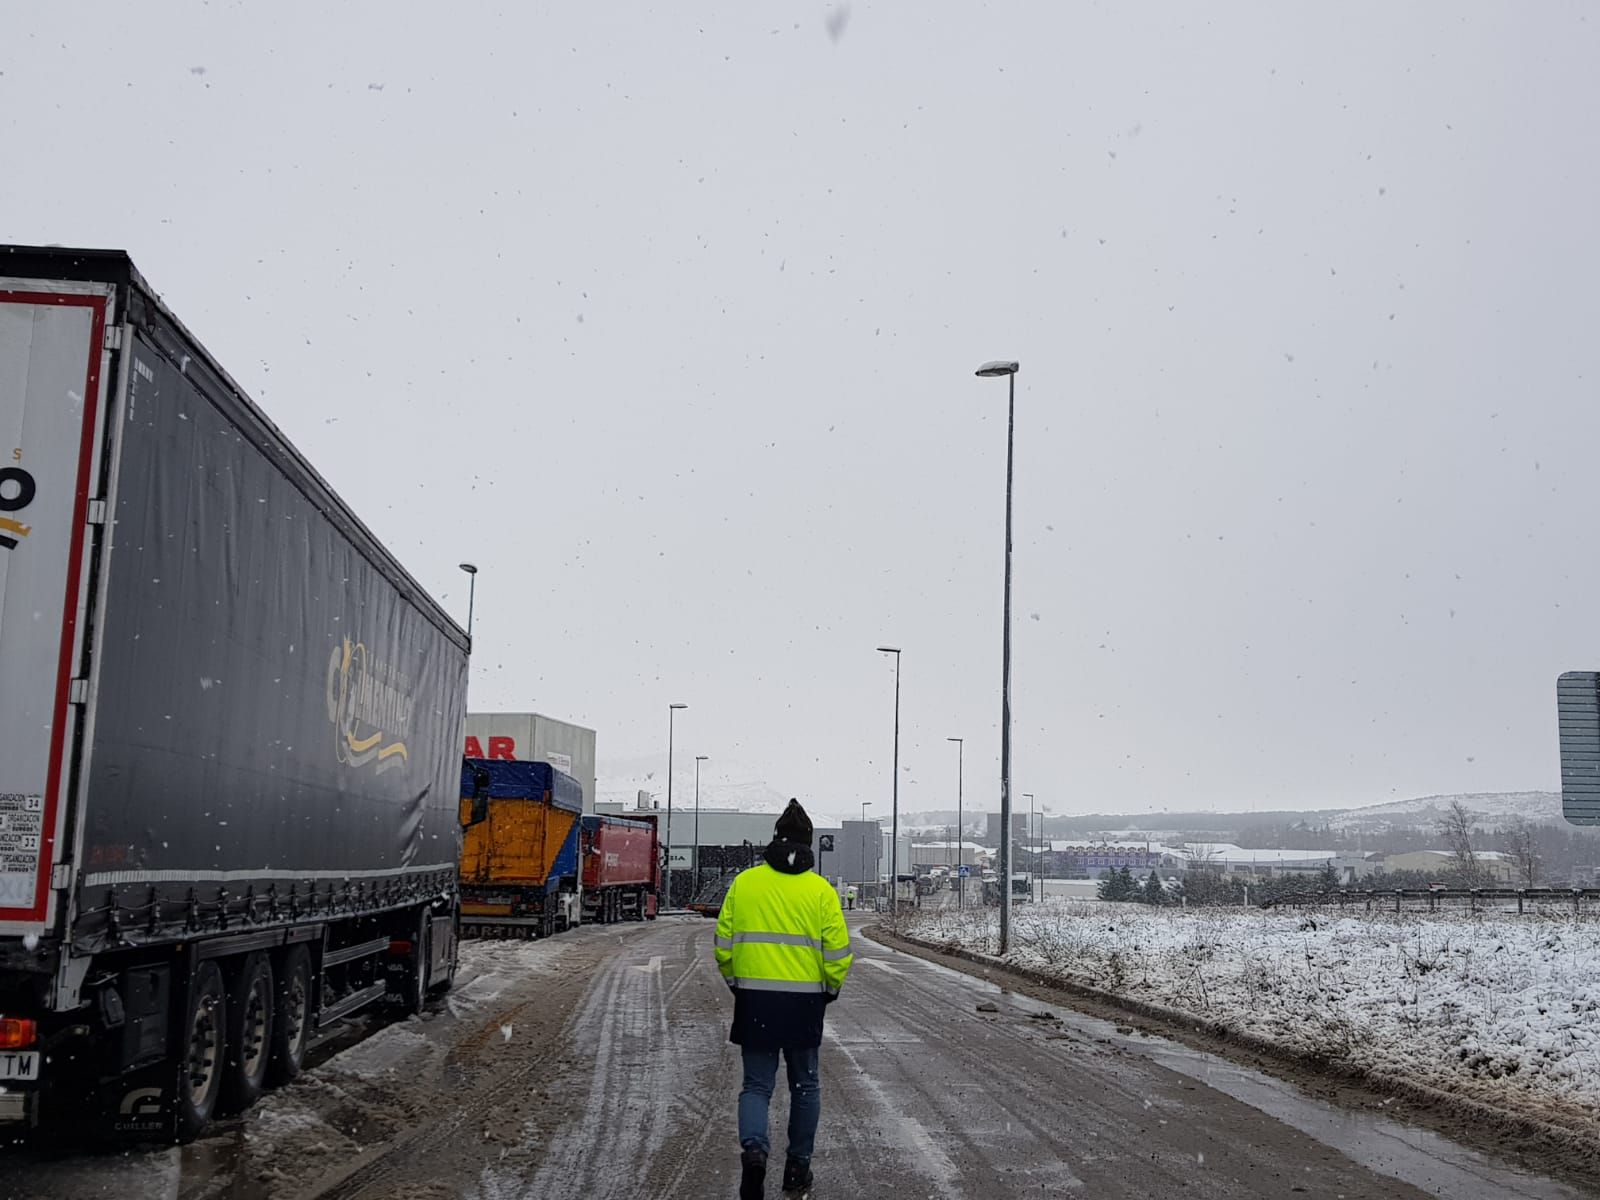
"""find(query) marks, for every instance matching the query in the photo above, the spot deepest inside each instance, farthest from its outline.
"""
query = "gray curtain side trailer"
(230, 727)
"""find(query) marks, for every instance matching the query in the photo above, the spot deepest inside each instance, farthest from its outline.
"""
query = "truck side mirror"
(479, 812)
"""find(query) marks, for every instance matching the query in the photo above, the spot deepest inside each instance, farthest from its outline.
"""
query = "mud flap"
(140, 1105)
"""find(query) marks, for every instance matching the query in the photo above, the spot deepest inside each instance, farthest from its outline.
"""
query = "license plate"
(19, 1065)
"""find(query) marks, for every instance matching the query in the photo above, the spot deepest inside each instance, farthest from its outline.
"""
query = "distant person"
(850, 897)
(783, 948)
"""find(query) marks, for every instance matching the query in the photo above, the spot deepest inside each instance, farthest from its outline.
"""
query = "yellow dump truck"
(519, 851)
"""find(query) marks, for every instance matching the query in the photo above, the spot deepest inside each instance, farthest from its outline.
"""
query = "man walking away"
(783, 948)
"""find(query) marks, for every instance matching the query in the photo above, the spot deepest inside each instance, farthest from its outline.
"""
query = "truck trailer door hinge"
(79, 693)
(113, 337)
(97, 512)
(61, 877)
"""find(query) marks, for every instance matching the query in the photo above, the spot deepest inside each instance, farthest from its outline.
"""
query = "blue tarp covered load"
(524, 779)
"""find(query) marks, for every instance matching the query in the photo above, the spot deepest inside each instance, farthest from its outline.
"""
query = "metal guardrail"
(1521, 900)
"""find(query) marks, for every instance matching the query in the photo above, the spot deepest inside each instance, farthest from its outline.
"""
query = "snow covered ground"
(1503, 1009)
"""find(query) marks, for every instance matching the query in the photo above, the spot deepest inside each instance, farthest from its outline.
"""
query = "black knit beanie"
(794, 825)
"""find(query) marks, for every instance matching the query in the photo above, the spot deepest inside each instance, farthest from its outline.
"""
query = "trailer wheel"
(204, 1042)
(418, 977)
(250, 1003)
(291, 1017)
(440, 986)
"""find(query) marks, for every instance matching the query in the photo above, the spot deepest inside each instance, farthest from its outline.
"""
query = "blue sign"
(965, 870)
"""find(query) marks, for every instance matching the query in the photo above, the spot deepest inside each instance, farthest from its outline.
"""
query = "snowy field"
(1503, 1009)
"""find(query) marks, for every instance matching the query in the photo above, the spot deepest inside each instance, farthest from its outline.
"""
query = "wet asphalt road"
(597, 1065)
(925, 1096)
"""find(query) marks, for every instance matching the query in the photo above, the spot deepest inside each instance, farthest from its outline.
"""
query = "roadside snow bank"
(1505, 1010)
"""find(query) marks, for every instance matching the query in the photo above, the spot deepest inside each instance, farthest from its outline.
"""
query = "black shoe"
(753, 1178)
(796, 1175)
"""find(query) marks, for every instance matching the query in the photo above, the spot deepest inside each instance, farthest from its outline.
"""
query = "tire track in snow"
(928, 1160)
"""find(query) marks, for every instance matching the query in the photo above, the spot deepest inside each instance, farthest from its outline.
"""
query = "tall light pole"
(866, 804)
(1033, 839)
(698, 759)
(672, 711)
(990, 370)
(961, 836)
(894, 816)
(472, 593)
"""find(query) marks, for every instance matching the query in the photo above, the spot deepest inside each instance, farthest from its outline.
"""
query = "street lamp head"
(888, 649)
(955, 739)
(469, 568)
(990, 370)
(702, 758)
(677, 706)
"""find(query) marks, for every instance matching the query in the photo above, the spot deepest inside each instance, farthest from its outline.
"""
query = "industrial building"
(534, 737)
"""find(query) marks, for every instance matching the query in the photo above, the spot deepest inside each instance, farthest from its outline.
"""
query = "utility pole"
(894, 816)
(991, 370)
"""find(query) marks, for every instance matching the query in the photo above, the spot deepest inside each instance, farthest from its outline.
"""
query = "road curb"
(1516, 1124)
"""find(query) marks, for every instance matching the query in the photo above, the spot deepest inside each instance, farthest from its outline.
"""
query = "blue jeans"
(805, 1100)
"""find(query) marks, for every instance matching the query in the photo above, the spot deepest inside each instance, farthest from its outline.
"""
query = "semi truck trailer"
(519, 858)
(230, 727)
(621, 869)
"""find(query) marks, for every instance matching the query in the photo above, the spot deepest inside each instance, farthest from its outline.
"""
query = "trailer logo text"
(370, 708)
(17, 490)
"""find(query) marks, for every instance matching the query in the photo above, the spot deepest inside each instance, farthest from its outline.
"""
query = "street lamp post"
(472, 593)
(698, 759)
(1033, 839)
(990, 370)
(865, 804)
(894, 815)
(961, 837)
(672, 711)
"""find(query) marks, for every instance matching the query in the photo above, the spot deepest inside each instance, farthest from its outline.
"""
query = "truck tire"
(291, 1017)
(419, 970)
(441, 986)
(251, 1000)
(202, 1046)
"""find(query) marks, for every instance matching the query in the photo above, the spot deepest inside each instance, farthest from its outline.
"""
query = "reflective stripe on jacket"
(782, 933)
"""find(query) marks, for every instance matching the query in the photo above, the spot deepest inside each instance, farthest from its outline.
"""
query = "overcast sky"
(667, 316)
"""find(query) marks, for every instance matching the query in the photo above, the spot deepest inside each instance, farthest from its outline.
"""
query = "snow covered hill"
(1490, 810)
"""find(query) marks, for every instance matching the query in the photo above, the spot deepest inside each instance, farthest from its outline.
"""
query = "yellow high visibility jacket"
(783, 933)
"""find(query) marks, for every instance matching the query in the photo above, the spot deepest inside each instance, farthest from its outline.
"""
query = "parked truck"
(519, 858)
(621, 869)
(230, 727)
